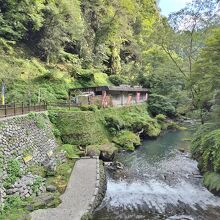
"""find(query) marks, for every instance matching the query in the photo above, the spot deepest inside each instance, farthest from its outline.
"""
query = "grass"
(61, 178)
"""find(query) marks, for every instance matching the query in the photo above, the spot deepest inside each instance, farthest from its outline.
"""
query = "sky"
(168, 6)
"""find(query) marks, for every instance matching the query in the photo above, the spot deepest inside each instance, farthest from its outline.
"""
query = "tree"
(18, 17)
(185, 37)
(63, 24)
(206, 74)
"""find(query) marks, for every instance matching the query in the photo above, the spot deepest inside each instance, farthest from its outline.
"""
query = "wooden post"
(14, 108)
(5, 110)
(34, 106)
(22, 108)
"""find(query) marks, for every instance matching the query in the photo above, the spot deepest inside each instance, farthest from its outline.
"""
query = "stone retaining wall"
(27, 140)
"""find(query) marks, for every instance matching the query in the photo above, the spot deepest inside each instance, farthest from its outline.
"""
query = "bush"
(13, 202)
(127, 140)
(212, 181)
(159, 104)
(114, 124)
(142, 123)
(89, 108)
(161, 118)
(206, 149)
(56, 132)
(117, 80)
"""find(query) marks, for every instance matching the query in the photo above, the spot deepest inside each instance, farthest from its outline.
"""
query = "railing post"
(5, 110)
(34, 107)
(22, 108)
(14, 108)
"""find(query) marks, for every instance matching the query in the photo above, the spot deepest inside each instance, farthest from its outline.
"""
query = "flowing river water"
(158, 182)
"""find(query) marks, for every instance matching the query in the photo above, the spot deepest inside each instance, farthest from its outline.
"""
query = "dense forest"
(49, 46)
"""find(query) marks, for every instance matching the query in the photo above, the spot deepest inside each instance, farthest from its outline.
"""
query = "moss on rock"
(127, 140)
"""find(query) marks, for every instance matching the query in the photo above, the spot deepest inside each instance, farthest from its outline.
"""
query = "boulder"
(92, 151)
(106, 156)
(108, 152)
(51, 188)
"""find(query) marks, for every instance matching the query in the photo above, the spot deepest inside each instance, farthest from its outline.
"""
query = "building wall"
(121, 98)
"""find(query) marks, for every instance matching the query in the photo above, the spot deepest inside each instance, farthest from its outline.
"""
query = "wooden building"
(106, 96)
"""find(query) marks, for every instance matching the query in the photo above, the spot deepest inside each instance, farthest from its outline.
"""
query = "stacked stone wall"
(28, 140)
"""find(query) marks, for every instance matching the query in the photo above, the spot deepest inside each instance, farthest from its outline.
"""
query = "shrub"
(93, 108)
(127, 140)
(159, 104)
(161, 118)
(84, 107)
(117, 80)
(114, 124)
(13, 202)
(56, 132)
(53, 116)
(89, 108)
(206, 149)
(212, 181)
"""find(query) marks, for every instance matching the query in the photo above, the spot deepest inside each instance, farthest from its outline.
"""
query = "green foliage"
(206, 149)
(127, 140)
(60, 180)
(56, 132)
(117, 80)
(89, 108)
(212, 181)
(71, 151)
(39, 119)
(159, 104)
(114, 123)
(13, 171)
(161, 117)
(205, 77)
(13, 208)
(89, 128)
(37, 184)
(81, 128)
(37, 169)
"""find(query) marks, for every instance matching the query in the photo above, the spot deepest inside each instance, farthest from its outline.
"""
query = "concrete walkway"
(78, 195)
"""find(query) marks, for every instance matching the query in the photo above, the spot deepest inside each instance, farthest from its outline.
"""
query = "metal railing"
(14, 109)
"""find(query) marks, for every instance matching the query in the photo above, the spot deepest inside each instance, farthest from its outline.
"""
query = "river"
(159, 182)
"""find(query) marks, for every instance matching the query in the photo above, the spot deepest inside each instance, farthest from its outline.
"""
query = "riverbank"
(110, 128)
